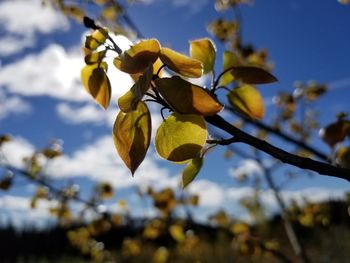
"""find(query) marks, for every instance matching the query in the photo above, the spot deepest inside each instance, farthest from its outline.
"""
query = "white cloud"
(77, 115)
(21, 19)
(16, 150)
(53, 72)
(100, 162)
(13, 105)
(10, 45)
(210, 193)
(246, 167)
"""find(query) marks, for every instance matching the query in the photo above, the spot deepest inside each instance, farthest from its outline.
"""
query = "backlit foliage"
(182, 135)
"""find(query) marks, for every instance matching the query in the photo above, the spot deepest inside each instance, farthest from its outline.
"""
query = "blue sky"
(41, 97)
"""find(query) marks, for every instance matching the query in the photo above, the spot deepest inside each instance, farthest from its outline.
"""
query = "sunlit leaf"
(191, 170)
(95, 57)
(131, 134)
(97, 84)
(252, 75)
(204, 50)
(181, 64)
(187, 98)
(247, 100)
(138, 57)
(131, 98)
(110, 12)
(181, 137)
(230, 59)
(97, 38)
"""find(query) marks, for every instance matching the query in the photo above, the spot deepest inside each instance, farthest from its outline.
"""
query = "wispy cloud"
(22, 19)
(10, 105)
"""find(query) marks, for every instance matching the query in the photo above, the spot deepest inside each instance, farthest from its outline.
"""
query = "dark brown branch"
(56, 191)
(286, 157)
(282, 135)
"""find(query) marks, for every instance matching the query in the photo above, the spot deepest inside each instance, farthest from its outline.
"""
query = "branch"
(54, 190)
(286, 157)
(282, 135)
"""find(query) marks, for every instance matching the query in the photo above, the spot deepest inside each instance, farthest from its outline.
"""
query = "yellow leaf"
(131, 98)
(247, 100)
(161, 255)
(97, 84)
(204, 50)
(137, 58)
(131, 135)
(181, 64)
(95, 57)
(191, 170)
(177, 233)
(230, 59)
(252, 75)
(97, 38)
(240, 228)
(181, 137)
(187, 98)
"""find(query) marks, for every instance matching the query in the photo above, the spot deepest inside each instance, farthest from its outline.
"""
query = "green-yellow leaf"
(181, 137)
(131, 98)
(252, 75)
(95, 57)
(204, 50)
(181, 64)
(187, 98)
(230, 59)
(191, 170)
(97, 38)
(97, 84)
(137, 58)
(248, 101)
(132, 134)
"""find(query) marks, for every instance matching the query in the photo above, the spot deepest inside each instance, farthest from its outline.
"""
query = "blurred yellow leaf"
(252, 75)
(230, 59)
(138, 57)
(97, 84)
(335, 132)
(161, 255)
(191, 170)
(177, 233)
(204, 50)
(181, 137)
(181, 64)
(187, 98)
(240, 228)
(247, 100)
(131, 134)
(74, 12)
(131, 98)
